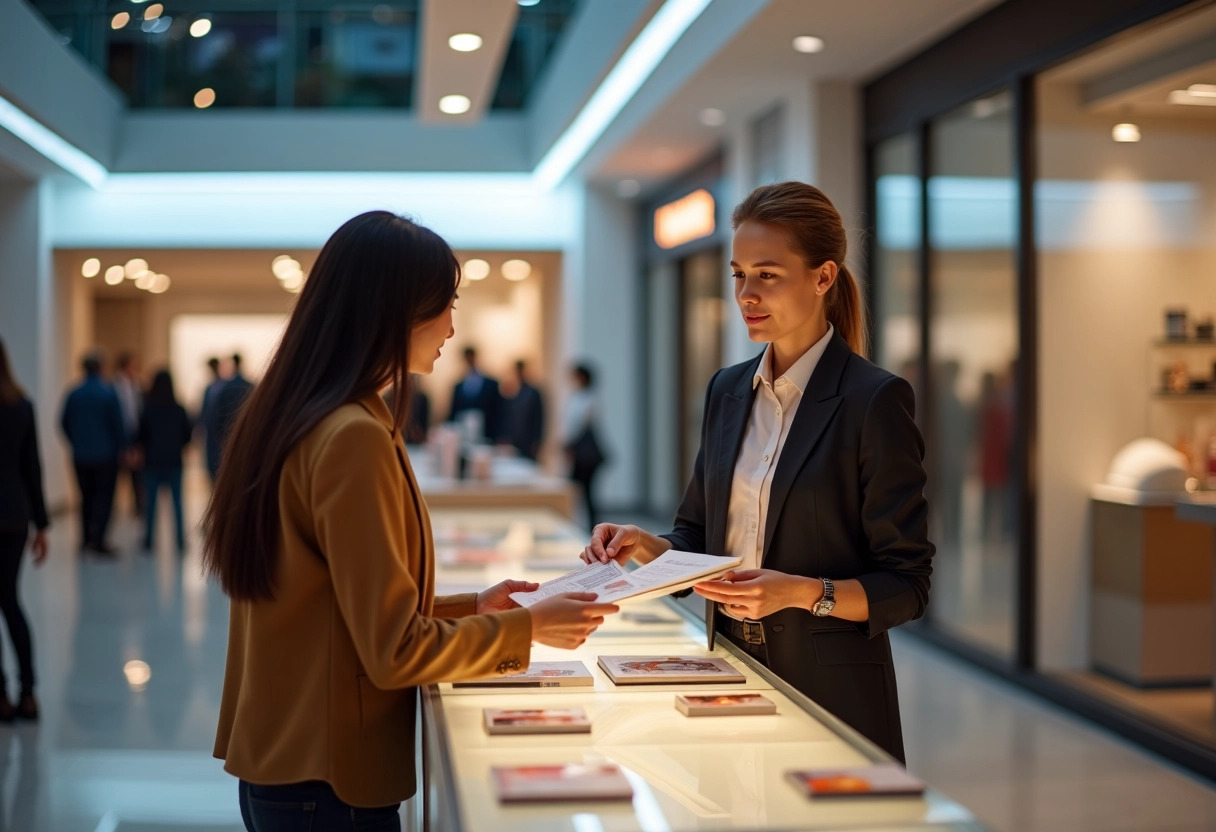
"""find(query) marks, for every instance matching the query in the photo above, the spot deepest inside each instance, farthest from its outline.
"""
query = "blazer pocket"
(850, 647)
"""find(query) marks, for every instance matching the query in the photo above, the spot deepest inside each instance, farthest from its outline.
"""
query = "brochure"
(669, 572)
(536, 721)
(724, 704)
(669, 670)
(878, 780)
(598, 781)
(538, 675)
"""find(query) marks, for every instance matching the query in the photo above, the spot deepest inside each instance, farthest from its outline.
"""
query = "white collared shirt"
(768, 427)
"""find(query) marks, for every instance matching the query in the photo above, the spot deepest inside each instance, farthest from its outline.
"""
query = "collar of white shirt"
(799, 374)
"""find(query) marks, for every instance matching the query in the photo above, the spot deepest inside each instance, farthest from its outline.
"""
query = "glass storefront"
(1069, 250)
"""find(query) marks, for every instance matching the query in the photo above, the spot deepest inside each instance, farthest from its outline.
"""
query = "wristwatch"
(827, 603)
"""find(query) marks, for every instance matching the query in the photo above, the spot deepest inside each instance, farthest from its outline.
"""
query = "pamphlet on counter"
(612, 583)
(878, 780)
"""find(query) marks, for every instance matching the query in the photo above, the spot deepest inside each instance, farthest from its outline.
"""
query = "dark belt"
(749, 632)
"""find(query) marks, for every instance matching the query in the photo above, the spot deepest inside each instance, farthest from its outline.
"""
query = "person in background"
(479, 393)
(581, 440)
(21, 503)
(91, 420)
(130, 398)
(523, 416)
(164, 431)
(419, 423)
(211, 445)
(810, 470)
(318, 532)
(228, 402)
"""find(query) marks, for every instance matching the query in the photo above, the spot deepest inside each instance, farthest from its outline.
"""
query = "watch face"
(824, 607)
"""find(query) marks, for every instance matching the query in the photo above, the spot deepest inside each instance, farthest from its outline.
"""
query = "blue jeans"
(310, 807)
(154, 478)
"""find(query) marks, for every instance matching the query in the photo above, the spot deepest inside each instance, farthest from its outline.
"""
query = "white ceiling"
(863, 38)
(444, 71)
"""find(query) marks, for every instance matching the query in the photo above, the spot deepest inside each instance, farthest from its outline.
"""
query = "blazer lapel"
(736, 409)
(818, 406)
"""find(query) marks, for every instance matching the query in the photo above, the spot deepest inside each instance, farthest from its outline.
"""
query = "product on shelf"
(669, 670)
(724, 704)
(538, 675)
(536, 721)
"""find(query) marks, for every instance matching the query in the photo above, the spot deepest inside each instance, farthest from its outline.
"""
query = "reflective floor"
(126, 748)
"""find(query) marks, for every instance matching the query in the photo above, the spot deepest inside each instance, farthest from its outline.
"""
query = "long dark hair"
(10, 391)
(375, 280)
(817, 232)
(161, 391)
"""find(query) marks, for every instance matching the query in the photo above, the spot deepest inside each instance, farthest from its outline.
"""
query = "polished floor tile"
(130, 658)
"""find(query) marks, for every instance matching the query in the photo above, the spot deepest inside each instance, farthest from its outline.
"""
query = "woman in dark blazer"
(21, 502)
(810, 469)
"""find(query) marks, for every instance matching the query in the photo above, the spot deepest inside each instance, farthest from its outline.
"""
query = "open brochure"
(669, 572)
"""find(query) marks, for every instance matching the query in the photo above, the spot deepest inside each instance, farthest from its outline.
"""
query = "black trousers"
(585, 477)
(96, 481)
(12, 548)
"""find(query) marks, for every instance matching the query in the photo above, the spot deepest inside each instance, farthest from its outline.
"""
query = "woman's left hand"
(755, 593)
(497, 598)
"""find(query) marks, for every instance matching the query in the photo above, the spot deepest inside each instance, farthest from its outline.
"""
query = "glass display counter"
(512, 482)
(687, 773)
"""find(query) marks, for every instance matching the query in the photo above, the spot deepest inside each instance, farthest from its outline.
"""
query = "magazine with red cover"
(878, 780)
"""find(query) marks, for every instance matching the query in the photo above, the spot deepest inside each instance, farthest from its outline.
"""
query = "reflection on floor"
(117, 753)
(1192, 710)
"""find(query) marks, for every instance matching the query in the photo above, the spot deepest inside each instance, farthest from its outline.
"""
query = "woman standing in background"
(164, 431)
(21, 502)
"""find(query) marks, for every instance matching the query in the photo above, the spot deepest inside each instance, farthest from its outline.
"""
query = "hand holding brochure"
(667, 573)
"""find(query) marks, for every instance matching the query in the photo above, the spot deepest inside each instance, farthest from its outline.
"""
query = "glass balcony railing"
(175, 54)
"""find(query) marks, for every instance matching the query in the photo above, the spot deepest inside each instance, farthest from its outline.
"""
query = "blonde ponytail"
(846, 311)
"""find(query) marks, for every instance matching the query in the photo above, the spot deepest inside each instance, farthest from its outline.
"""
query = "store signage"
(688, 218)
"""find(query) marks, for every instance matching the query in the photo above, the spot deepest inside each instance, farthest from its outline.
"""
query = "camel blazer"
(321, 682)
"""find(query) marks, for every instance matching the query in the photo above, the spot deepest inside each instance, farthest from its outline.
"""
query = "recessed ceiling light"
(91, 267)
(476, 269)
(454, 105)
(154, 11)
(145, 280)
(712, 117)
(808, 44)
(628, 188)
(465, 42)
(120, 20)
(114, 275)
(516, 270)
(1125, 132)
(135, 267)
(285, 266)
(204, 98)
(528, 2)
(200, 27)
(160, 284)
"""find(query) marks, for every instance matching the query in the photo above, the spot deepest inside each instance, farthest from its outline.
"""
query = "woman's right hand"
(566, 620)
(610, 541)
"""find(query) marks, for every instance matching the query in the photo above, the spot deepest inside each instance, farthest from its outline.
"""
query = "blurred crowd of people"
(120, 428)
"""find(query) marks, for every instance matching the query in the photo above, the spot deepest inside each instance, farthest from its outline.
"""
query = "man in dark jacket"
(228, 403)
(477, 392)
(92, 422)
(523, 416)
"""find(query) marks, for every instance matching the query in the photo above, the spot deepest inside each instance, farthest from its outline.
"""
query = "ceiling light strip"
(67, 156)
(620, 85)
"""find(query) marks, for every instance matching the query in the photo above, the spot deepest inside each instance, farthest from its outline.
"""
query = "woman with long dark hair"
(21, 503)
(810, 469)
(318, 532)
(164, 431)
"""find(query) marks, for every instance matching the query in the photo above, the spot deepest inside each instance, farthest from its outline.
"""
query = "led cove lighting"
(476, 269)
(454, 105)
(465, 42)
(1125, 132)
(67, 156)
(630, 72)
(808, 44)
(91, 267)
(200, 27)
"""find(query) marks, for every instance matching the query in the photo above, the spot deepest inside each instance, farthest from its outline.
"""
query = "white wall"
(31, 312)
(602, 326)
(1102, 294)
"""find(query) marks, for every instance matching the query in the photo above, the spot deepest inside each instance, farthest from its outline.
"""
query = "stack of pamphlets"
(572, 782)
(723, 704)
(878, 780)
(612, 583)
(536, 721)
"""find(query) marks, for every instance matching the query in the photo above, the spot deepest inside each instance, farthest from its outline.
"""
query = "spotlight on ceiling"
(476, 269)
(808, 44)
(1125, 132)
(516, 270)
(465, 42)
(454, 105)
(712, 117)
